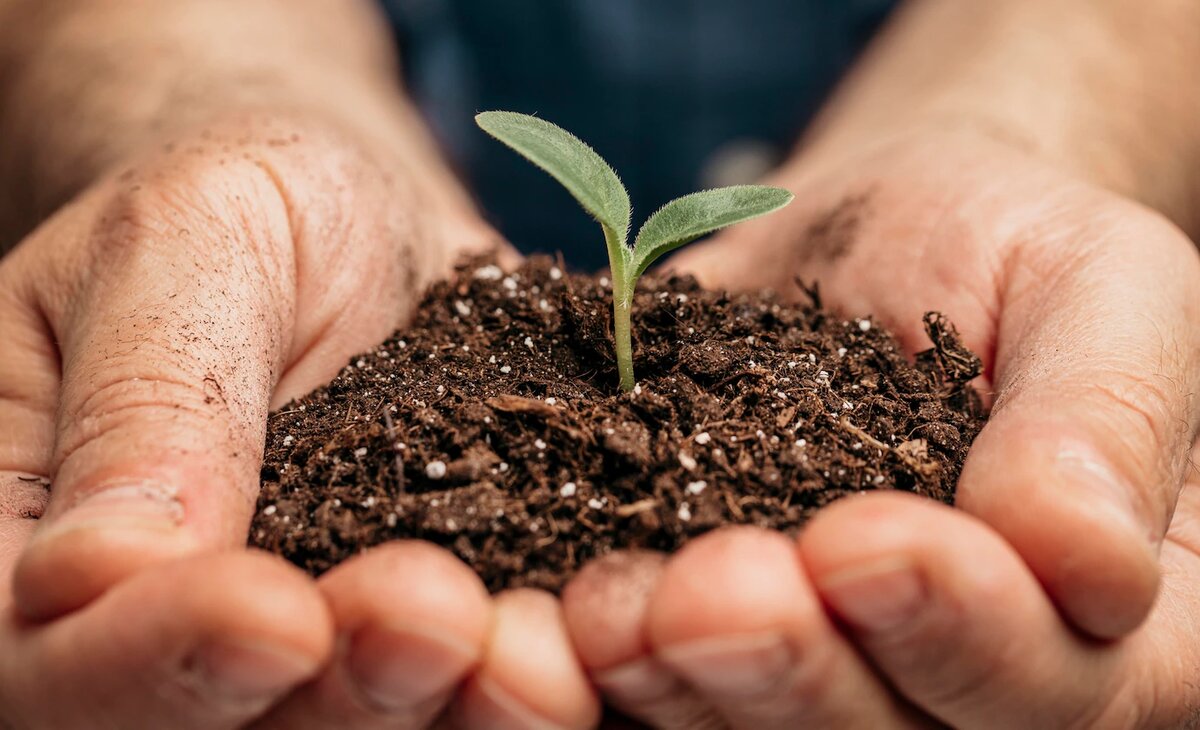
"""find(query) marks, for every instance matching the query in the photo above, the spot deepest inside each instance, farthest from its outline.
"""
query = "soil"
(493, 425)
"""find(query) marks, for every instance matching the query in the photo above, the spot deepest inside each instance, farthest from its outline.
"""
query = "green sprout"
(596, 186)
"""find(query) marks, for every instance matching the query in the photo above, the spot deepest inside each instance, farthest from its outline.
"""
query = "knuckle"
(963, 681)
(1147, 420)
(1152, 225)
(249, 173)
(942, 643)
(275, 184)
(188, 204)
(1127, 706)
(154, 404)
(816, 674)
(1141, 402)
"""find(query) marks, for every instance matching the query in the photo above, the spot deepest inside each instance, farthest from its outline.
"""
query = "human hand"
(946, 624)
(1084, 307)
(151, 325)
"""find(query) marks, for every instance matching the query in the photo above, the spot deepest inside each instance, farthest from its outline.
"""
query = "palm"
(1084, 309)
(150, 326)
(111, 335)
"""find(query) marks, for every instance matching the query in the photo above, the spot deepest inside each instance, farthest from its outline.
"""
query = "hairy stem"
(622, 301)
(622, 335)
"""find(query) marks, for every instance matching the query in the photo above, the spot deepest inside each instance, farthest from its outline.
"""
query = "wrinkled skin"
(148, 328)
(1079, 502)
(144, 367)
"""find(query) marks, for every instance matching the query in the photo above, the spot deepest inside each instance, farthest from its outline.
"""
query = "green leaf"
(685, 219)
(570, 161)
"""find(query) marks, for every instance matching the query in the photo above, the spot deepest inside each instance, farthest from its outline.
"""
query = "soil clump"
(493, 425)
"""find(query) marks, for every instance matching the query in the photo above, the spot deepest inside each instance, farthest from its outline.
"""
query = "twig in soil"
(391, 434)
(740, 374)
(865, 437)
(636, 508)
(812, 291)
(905, 456)
(517, 404)
(550, 539)
(588, 523)
(734, 508)
(956, 365)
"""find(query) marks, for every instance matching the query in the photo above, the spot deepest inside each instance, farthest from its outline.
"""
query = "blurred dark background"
(677, 95)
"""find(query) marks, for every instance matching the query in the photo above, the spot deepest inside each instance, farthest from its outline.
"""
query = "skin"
(991, 616)
(227, 248)
(1064, 593)
(159, 315)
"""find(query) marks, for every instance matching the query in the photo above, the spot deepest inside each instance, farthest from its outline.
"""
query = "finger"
(167, 373)
(1081, 463)
(22, 500)
(530, 677)
(953, 617)
(28, 392)
(735, 616)
(28, 377)
(605, 610)
(206, 643)
(414, 621)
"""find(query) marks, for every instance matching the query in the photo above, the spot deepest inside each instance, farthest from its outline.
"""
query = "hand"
(149, 327)
(1085, 309)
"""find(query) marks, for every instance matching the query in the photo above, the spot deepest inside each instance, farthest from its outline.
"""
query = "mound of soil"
(493, 425)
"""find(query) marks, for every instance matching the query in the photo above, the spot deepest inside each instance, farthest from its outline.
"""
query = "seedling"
(593, 183)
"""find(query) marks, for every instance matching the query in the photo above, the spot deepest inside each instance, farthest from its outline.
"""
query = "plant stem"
(622, 299)
(618, 262)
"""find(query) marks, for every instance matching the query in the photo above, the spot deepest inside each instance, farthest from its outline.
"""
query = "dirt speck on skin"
(493, 425)
(831, 236)
(24, 497)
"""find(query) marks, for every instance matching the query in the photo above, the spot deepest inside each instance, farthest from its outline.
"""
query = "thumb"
(1097, 368)
(171, 341)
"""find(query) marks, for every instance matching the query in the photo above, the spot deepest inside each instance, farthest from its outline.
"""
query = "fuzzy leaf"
(570, 161)
(685, 219)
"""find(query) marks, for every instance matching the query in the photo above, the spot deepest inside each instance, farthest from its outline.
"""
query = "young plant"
(598, 189)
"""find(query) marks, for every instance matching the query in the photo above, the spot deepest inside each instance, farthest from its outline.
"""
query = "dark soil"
(493, 425)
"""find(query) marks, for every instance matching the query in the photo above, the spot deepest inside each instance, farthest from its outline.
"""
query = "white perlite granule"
(435, 469)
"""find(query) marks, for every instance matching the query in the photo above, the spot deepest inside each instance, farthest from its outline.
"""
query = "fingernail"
(733, 665)
(641, 680)
(242, 672)
(143, 506)
(400, 669)
(1091, 472)
(877, 598)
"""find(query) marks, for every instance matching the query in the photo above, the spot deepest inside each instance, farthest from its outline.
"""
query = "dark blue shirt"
(676, 94)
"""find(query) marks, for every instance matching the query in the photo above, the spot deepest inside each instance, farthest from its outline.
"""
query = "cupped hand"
(1085, 308)
(149, 326)
(891, 612)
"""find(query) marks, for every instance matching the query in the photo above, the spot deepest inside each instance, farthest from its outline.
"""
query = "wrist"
(1096, 88)
(89, 84)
